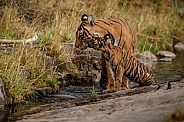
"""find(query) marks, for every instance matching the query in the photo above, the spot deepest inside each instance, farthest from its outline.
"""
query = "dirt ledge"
(138, 104)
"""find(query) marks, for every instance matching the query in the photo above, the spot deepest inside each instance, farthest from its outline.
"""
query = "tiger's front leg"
(103, 79)
(111, 87)
(123, 80)
(124, 84)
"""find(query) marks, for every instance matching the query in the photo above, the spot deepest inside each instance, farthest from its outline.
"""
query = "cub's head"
(100, 43)
(88, 28)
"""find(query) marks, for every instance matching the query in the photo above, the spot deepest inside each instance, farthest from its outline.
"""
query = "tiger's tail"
(160, 85)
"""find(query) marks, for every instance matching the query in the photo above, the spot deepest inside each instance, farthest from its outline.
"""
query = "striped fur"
(121, 31)
(122, 63)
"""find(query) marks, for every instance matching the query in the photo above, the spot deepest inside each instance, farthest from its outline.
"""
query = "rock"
(3, 113)
(166, 54)
(145, 60)
(150, 55)
(62, 96)
(24, 71)
(45, 91)
(50, 62)
(3, 96)
(165, 59)
(88, 63)
(178, 45)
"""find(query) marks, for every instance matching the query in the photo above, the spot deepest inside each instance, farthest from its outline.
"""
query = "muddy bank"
(138, 104)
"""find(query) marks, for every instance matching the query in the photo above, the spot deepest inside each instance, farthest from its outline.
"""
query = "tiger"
(121, 31)
(124, 65)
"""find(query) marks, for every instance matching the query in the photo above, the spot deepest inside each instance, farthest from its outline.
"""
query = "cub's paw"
(124, 88)
(107, 91)
(117, 86)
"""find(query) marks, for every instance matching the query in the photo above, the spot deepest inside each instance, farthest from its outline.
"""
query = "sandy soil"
(123, 106)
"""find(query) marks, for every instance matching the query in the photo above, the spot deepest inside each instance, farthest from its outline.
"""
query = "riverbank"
(138, 104)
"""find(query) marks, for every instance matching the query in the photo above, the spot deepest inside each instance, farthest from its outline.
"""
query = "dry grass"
(154, 21)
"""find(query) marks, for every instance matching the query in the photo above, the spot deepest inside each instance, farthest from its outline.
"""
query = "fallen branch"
(20, 41)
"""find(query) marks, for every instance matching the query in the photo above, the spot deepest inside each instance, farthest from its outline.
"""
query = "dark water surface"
(164, 71)
(168, 71)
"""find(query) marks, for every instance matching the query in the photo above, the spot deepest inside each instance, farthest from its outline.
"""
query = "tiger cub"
(122, 63)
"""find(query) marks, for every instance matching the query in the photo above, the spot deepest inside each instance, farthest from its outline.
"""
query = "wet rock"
(150, 55)
(45, 91)
(3, 96)
(178, 45)
(3, 113)
(166, 59)
(62, 96)
(166, 54)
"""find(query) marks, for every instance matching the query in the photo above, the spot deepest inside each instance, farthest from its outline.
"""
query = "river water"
(164, 71)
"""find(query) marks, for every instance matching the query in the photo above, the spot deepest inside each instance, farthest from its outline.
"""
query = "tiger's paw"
(107, 91)
(124, 88)
(117, 86)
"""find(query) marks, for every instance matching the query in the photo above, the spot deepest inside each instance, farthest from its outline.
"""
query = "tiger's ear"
(84, 18)
(91, 20)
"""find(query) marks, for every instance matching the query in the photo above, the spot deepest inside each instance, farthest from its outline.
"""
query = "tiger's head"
(86, 29)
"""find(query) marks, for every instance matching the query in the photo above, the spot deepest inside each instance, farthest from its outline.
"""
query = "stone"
(24, 72)
(178, 45)
(68, 46)
(62, 96)
(65, 66)
(3, 96)
(145, 60)
(87, 61)
(150, 55)
(45, 91)
(50, 62)
(166, 54)
(166, 59)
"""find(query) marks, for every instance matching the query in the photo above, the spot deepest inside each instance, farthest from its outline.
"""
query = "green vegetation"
(94, 94)
(55, 22)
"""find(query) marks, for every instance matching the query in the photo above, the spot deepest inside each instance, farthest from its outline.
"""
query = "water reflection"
(166, 71)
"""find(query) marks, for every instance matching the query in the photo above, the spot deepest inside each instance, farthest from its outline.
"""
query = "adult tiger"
(122, 63)
(121, 31)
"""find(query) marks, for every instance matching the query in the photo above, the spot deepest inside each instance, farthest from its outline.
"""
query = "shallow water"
(164, 71)
(168, 71)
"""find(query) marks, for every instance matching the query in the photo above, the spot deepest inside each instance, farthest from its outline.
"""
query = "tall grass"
(55, 22)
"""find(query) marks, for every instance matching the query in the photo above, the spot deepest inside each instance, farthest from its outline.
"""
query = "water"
(168, 71)
(164, 71)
